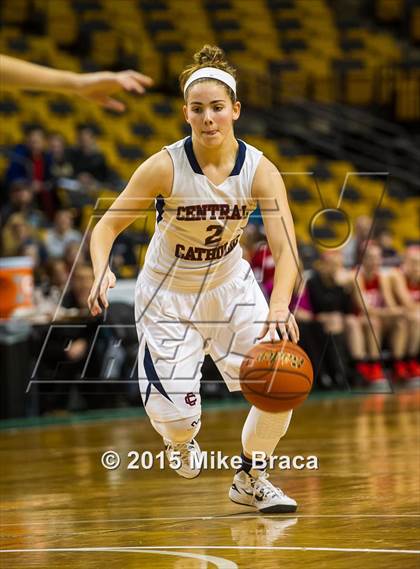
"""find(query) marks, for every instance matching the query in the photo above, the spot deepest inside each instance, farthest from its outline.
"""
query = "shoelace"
(184, 449)
(261, 484)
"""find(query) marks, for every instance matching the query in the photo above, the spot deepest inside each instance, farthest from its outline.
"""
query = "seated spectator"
(21, 200)
(300, 303)
(307, 254)
(16, 232)
(353, 250)
(61, 234)
(385, 239)
(58, 276)
(32, 161)
(378, 316)
(263, 265)
(309, 329)
(252, 238)
(331, 304)
(405, 284)
(66, 352)
(61, 166)
(74, 253)
(122, 254)
(35, 249)
(48, 294)
(74, 191)
(80, 286)
(88, 161)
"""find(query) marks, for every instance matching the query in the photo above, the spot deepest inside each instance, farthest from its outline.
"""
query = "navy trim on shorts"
(240, 159)
(152, 377)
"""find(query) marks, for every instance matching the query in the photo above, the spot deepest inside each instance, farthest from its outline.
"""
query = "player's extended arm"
(97, 87)
(268, 188)
(151, 179)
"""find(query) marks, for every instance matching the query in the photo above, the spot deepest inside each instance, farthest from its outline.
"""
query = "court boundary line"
(219, 562)
(239, 515)
(135, 548)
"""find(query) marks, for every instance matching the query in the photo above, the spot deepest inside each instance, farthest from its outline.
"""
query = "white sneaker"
(255, 490)
(184, 452)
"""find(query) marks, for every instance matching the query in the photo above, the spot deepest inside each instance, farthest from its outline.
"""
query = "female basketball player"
(195, 294)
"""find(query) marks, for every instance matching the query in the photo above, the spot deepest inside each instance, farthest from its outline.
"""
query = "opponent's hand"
(98, 87)
(99, 291)
(280, 319)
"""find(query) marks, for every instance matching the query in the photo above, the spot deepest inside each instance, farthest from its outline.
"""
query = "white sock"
(262, 430)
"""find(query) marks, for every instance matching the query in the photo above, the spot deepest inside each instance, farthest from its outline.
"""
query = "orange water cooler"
(16, 284)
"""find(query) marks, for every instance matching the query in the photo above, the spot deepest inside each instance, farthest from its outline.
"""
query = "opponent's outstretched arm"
(97, 87)
(268, 188)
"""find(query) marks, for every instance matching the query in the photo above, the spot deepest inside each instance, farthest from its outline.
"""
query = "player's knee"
(353, 323)
(413, 317)
(180, 431)
(375, 323)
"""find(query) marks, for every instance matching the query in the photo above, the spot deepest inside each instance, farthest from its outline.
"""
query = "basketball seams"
(279, 371)
(269, 369)
(284, 395)
(268, 397)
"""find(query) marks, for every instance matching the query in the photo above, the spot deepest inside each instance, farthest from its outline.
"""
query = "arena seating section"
(284, 49)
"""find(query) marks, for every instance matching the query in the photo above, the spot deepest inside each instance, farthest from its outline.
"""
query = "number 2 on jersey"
(214, 238)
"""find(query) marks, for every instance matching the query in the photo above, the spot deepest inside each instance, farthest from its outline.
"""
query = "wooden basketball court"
(62, 508)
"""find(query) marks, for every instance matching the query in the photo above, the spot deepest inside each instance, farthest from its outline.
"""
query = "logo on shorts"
(190, 399)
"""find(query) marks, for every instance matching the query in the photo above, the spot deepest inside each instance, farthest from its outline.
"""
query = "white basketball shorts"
(176, 330)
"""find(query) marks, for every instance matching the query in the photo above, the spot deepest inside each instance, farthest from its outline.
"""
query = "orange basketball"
(276, 376)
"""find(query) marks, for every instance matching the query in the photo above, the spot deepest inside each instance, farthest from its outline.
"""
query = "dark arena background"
(330, 92)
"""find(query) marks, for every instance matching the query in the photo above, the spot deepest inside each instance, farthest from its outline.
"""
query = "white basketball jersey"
(197, 232)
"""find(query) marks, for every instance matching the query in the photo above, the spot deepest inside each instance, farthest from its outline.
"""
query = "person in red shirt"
(379, 316)
(32, 162)
(405, 283)
(263, 265)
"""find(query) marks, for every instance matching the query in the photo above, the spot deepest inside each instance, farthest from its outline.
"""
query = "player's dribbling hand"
(282, 320)
(99, 290)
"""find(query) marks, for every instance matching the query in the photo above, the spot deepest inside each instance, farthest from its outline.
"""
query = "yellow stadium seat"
(390, 10)
(104, 47)
(14, 11)
(415, 24)
(128, 272)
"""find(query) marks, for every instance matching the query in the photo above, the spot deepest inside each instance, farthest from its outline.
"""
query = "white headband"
(212, 73)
